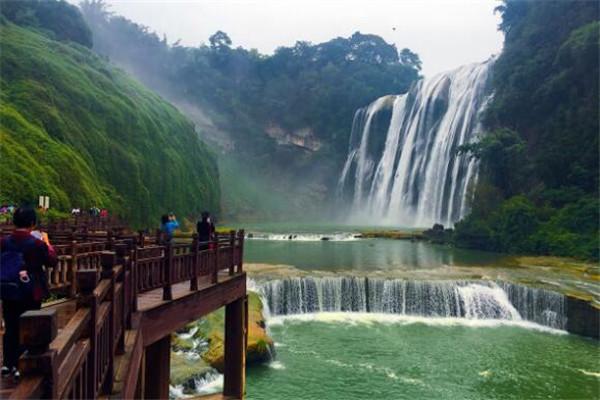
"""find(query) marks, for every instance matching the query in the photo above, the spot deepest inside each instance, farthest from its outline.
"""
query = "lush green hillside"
(82, 131)
(539, 187)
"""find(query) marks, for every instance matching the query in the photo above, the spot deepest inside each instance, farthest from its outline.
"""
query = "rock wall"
(583, 318)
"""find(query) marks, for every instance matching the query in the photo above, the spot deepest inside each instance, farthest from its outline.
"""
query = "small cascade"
(304, 237)
(454, 299)
(402, 166)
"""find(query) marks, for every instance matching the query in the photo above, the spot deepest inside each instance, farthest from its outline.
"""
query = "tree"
(219, 41)
(410, 59)
(500, 151)
(58, 18)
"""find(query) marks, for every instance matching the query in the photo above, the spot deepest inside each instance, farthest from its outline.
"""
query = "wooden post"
(215, 266)
(109, 259)
(231, 252)
(141, 382)
(73, 269)
(121, 250)
(87, 279)
(141, 238)
(235, 351)
(37, 330)
(134, 280)
(110, 240)
(241, 239)
(195, 267)
(168, 265)
(157, 369)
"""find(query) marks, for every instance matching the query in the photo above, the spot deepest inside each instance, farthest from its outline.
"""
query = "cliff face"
(83, 132)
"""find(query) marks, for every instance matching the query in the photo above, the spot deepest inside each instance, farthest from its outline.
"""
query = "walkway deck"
(119, 315)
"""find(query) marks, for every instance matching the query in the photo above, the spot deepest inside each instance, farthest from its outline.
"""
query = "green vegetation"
(57, 19)
(284, 118)
(211, 329)
(77, 129)
(392, 234)
(539, 188)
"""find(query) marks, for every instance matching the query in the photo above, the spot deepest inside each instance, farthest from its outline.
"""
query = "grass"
(83, 132)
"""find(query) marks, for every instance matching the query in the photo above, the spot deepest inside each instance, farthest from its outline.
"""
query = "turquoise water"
(353, 356)
(307, 251)
(341, 360)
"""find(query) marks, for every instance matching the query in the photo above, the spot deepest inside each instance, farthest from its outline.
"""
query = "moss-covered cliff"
(83, 132)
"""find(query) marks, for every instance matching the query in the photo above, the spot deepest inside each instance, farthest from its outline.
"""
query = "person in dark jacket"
(205, 228)
(36, 254)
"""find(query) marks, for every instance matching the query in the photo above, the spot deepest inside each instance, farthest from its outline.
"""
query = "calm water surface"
(306, 250)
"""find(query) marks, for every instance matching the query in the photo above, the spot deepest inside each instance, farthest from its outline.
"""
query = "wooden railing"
(77, 361)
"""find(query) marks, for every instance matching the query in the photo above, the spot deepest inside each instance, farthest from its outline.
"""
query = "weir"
(455, 299)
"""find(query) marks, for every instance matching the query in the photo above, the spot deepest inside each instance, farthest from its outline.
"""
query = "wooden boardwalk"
(110, 336)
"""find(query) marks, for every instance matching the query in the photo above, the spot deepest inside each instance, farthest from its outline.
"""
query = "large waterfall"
(464, 299)
(402, 166)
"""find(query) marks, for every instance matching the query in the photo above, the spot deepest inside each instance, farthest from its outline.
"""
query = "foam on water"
(589, 373)
(354, 318)
(441, 300)
(304, 237)
(276, 365)
(210, 383)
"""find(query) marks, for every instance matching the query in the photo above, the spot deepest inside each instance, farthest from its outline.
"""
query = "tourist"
(104, 213)
(24, 285)
(167, 227)
(205, 228)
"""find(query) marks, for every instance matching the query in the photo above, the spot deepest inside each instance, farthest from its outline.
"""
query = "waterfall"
(410, 173)
(458, 299)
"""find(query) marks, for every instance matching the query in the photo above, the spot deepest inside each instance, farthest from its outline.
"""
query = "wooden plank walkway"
(154, 298)
(123, 303)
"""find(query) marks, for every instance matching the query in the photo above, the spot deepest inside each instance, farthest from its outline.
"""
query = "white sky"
(445, 33)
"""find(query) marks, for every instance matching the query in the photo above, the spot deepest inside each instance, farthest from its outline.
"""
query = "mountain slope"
(83, 132)
(538, 192)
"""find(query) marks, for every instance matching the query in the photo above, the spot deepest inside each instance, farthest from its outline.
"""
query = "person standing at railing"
(24, 285)
(167, 227)
(205, 229)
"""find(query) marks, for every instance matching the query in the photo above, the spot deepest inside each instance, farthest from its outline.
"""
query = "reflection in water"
(367, 254)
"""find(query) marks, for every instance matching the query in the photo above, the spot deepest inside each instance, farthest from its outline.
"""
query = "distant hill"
(81, 131)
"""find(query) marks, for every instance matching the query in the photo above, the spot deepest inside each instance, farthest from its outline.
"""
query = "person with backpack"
(23, 281)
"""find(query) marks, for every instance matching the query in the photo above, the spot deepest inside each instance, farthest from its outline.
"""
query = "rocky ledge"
(198, 351)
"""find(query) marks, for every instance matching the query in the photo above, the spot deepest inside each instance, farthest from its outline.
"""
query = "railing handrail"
(78, 361)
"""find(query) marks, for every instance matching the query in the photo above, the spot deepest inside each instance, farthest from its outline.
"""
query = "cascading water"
(463, 299)
(411, 174)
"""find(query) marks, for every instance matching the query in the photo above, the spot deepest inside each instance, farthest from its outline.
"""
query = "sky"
(445, 33)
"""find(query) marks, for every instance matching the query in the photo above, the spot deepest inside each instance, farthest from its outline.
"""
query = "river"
(356, 318)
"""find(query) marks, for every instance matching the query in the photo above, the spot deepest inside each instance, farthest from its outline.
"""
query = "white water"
(438, 301)
(411, 175)
(358, 318)
(304, 237)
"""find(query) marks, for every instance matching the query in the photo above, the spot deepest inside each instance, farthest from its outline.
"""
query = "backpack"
(11, 260)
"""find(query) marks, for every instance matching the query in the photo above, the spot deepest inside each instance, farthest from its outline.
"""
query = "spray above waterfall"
(407, 171)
